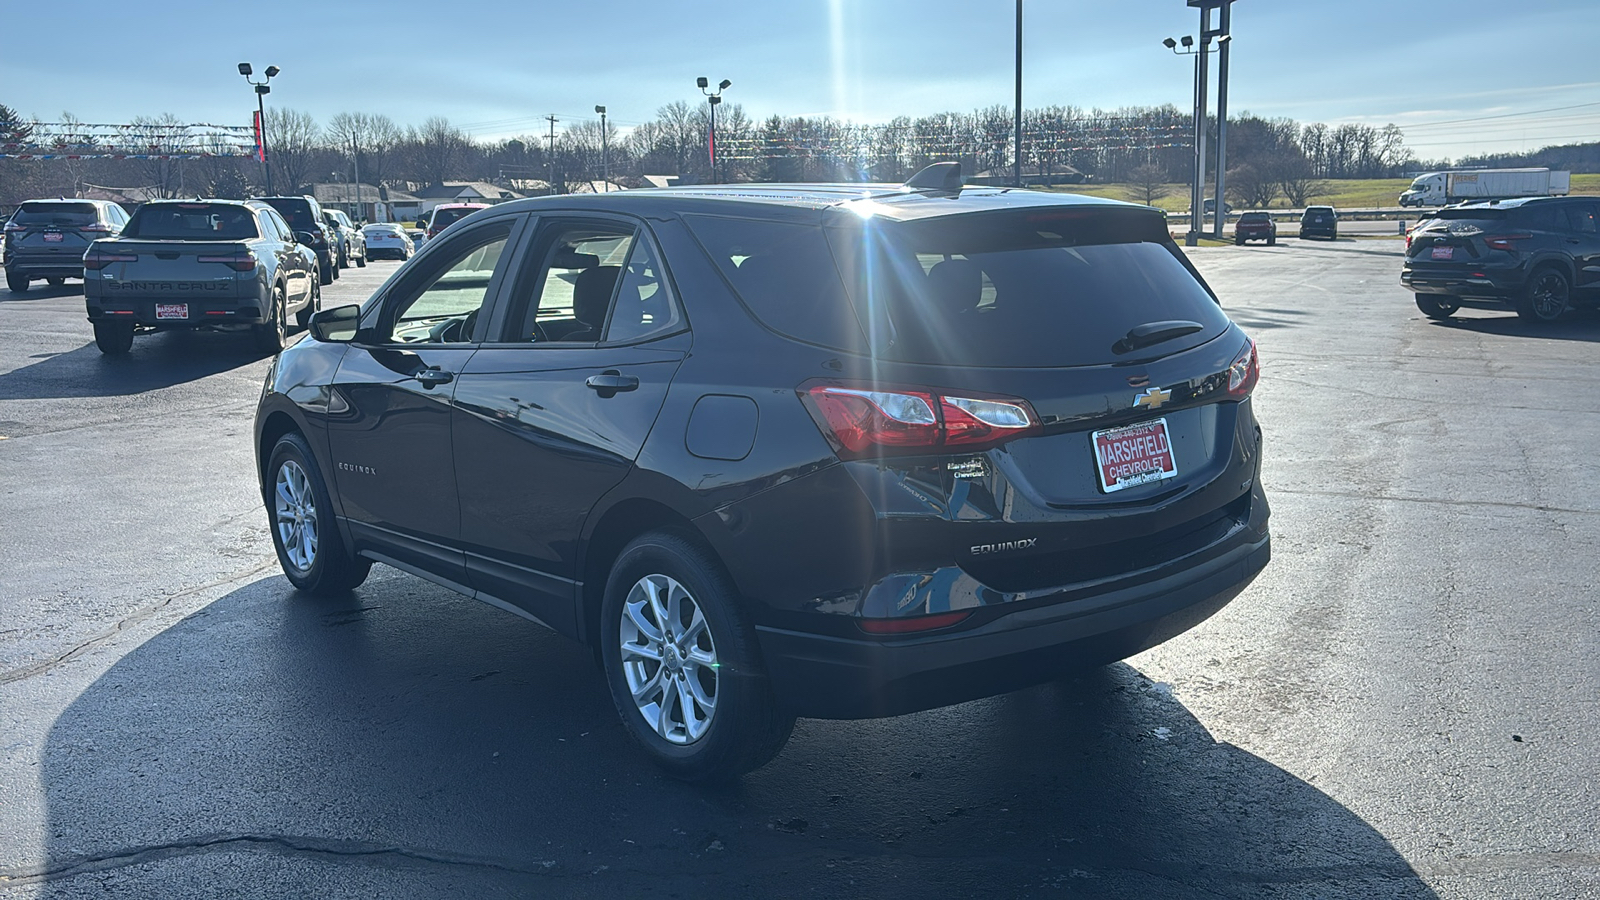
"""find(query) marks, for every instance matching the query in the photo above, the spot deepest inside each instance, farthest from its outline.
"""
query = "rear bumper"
(822, 676)
(1500, 284)
(59, 266)
(202, 313)
(1321, 230)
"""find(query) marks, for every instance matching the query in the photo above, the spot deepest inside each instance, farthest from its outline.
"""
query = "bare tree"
(1250, 187)
(439, 147)
(292, 147)
(371, 139)
(1148, 183)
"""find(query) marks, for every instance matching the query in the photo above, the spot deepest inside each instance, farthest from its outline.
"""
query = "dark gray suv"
(47, 238)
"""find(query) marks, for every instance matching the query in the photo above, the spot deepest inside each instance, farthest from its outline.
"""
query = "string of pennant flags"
(139, 140)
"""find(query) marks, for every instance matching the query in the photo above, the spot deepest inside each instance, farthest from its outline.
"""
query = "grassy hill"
(1355, 193)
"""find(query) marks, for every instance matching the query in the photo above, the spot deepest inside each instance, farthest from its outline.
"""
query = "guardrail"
(1375, 213)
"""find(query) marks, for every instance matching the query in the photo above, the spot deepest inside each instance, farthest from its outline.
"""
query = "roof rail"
(941, 177)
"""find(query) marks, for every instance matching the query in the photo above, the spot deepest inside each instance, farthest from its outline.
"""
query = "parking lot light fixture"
(262, 90)
(712, 98)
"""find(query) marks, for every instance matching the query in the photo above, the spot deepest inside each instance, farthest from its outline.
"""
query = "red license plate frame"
(1133, 455)
(1442, 253)
(172, 310)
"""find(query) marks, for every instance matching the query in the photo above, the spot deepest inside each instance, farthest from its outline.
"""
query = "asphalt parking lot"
(1405, 704)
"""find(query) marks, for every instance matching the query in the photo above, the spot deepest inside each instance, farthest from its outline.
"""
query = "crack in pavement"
(1505, 504)
(283, 845)
(134, 618)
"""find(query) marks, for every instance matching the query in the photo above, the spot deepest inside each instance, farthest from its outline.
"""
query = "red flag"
(261, 150)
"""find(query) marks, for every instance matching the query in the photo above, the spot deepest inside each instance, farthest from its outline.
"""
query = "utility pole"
(552, 151)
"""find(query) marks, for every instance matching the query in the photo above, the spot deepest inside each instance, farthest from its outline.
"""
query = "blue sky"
(497, 67)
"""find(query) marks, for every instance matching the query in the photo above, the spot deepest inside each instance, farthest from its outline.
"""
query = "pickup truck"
(224, 265)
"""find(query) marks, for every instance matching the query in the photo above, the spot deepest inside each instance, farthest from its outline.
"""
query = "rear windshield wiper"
(1150, 333)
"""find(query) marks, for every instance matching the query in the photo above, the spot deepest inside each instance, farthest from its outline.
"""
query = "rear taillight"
(239, 262)
(863, 422)
(94, 259)
(95, 229)
(13, 227)
(1506, 241)
(1244, 372)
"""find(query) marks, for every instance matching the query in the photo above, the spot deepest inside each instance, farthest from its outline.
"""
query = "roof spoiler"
(941, 177)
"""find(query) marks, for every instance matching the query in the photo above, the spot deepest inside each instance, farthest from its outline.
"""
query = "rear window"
(1029, 288)
(191, 222)
(443, 217)
(1255, 217)
(297, 213)
(73, 214)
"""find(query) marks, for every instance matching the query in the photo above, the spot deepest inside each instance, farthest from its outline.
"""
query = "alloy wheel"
(1550, 295)
(296, 515)
(669, 659)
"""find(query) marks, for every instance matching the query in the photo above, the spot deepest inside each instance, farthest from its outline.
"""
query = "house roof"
(467, 191)
(594, 187)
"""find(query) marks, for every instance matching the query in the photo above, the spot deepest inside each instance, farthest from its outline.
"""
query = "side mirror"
(336, 325)
(305, 237)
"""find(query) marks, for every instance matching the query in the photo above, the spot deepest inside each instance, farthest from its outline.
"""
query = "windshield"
(55, 214)
(191, 222)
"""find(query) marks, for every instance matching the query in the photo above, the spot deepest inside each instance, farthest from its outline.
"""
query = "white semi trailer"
(1442, 188)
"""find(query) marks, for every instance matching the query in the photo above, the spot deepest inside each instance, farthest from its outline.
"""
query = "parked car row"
(1259, 226)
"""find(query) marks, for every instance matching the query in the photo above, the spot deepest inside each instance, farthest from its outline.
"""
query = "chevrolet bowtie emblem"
(1152, 398)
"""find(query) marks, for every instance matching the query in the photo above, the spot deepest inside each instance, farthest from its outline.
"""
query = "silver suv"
(47, 238)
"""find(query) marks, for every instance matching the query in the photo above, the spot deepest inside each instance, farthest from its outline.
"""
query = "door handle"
(433, 377)
(611, 381)
(1573, 241)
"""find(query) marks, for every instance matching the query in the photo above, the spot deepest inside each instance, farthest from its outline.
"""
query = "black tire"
(1434, 307)
(302, 318)
(361, 261)
(1272, 241)
(271, 335)
(56, 282)
(329, 567)
(1238, 242)
(326, 272)
(113, 338)
(1333, 235)
(344, 256)
(18, 282)
(745, 728)
(1544, 298)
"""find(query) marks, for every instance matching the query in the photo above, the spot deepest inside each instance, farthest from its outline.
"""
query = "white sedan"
(386, 239)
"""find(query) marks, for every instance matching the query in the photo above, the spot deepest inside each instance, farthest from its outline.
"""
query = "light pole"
(714, 98)
(1016, 163)
(605, 160)
(1197, 188)
(262, 90)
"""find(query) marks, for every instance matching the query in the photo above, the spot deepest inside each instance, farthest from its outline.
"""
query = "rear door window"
(1580, 218)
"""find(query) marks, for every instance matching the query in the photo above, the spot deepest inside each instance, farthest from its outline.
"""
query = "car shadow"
(42, 291)
(1577, 325)
(405, 742)
(156, 361)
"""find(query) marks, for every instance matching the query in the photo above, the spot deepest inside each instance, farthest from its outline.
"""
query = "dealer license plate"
(172, 310)
(1134, 455)
(52, 237)
(1444, 253)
